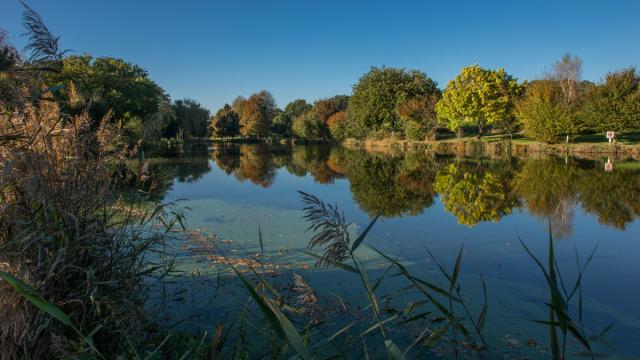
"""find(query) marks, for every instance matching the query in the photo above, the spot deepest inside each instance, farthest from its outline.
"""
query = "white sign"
(611, 135)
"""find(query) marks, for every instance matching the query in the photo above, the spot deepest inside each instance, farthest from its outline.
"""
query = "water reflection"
(474, 190)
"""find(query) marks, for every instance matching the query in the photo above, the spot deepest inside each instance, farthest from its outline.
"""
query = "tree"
(192, 120)
(256, 114)
(226, 122)
(568, 72)
(479, 97)
(111, 84)
(376, 96)
(310, 126)
(545, 114)
(615, 104)
(153, 126)
(419, 117)
(282, 122)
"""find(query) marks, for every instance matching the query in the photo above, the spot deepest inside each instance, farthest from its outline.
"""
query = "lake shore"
(495, 146)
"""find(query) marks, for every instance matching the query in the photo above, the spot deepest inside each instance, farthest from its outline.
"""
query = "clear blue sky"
(213, 51)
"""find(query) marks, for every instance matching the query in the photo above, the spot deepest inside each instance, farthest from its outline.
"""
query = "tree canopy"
(378, 93)
(313, 124)
(478, 97)
(192, 120)
(225, 122)
(111, 84)
(282, 122)
(256, 114)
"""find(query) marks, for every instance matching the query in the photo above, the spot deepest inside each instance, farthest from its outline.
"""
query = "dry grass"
(64, 232)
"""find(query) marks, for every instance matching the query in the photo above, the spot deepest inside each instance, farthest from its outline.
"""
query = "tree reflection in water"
(406, 183)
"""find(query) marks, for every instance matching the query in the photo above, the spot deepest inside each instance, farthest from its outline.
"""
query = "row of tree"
(384, 102)
(407, 103)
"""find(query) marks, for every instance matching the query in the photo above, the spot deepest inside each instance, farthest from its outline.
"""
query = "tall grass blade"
(278, 320)
(362, 236)
(483, 313)
(260, 238)
(331, 262)
(393, 350)
(34, 298)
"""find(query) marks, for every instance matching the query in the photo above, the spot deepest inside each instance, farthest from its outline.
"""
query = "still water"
(426, 201)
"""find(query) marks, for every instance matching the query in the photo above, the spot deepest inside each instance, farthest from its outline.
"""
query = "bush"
(545, 114)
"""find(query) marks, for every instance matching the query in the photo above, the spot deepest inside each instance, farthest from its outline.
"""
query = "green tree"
(474, 197)
(419, 117)
(256, 114)
(310, 126)
(478, 97)
(615, 104)
(226, 122)
(376, 96)
(110, 84)
(546, 115)
(282, 123)
(192, 120)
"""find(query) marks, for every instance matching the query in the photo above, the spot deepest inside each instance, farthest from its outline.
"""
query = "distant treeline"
(385, 102)
(390, 102)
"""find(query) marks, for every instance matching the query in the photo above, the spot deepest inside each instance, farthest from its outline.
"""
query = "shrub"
(545, 114)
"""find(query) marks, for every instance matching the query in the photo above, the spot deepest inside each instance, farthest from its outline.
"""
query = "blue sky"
(213, 51)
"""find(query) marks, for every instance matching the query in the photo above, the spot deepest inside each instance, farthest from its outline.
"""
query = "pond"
(242, 202)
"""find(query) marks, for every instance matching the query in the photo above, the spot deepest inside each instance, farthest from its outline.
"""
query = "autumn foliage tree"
(337, 125)
(256, 114)
(419, 117)
(478, 97)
